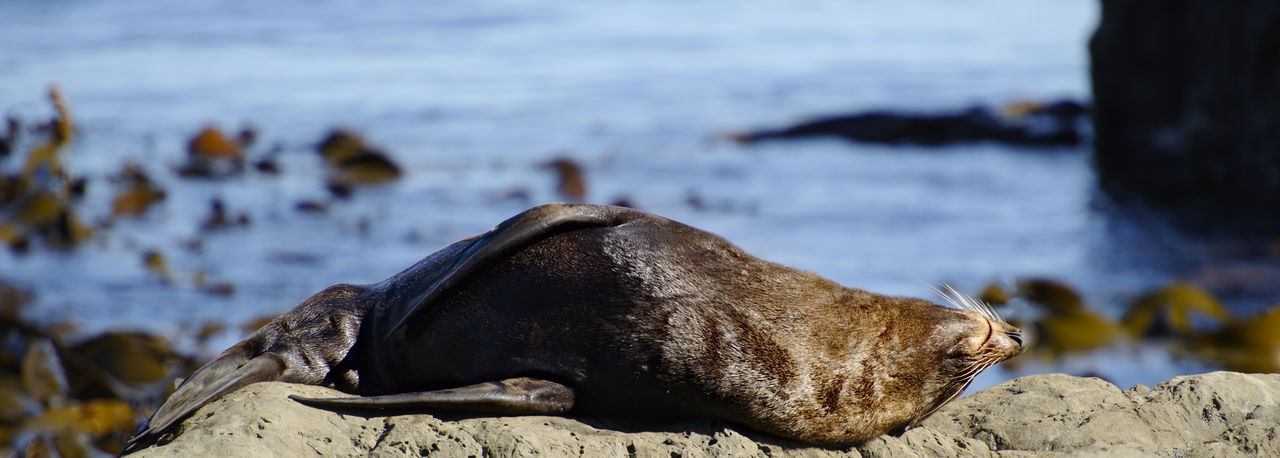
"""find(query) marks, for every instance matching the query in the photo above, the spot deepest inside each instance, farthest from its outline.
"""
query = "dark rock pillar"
(1187, 108)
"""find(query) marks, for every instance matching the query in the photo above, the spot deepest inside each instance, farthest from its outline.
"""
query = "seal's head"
(975, 338)
(905, 359)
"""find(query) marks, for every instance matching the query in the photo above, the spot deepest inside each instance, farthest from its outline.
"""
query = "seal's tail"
(233, 369)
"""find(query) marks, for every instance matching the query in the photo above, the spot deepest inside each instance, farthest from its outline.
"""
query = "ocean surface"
(473, 98)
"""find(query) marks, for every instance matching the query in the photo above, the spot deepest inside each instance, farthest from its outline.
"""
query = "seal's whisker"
(941, 294)
(951, 291)
(963, 384)
(954, 297)
(991, 311)
(973, 370)
(972, 304)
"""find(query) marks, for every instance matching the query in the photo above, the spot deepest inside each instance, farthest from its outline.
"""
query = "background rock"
(1214, 414)
(1186, 104)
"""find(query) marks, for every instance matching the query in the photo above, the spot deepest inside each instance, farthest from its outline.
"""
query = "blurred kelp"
(76, 398)
(1247, 345)
(138, 192)
(571, 183)
(1066, 324)
(72, 396)
(211, 154)
(1173, 310)
(36, 200)
(353, 163)
(75, 395)
(39, 195)
(1182, 317)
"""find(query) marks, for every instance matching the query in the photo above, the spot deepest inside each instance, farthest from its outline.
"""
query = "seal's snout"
(1007, 340)
(1016, 336)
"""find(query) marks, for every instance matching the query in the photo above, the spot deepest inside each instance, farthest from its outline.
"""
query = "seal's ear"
(509, 237)
(235, 368)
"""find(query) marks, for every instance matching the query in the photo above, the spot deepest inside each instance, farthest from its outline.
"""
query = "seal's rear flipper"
(229, 372)
(532, 225)
(518, 396)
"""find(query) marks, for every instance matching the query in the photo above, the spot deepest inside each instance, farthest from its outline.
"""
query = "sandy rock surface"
(1214, 414)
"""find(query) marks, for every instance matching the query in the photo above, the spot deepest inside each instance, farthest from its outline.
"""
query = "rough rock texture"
(1186, 104)
(1215, 414)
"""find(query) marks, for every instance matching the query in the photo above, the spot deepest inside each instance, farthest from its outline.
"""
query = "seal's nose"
(1016, 335)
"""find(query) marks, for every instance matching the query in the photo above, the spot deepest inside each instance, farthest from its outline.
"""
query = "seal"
(611, 311)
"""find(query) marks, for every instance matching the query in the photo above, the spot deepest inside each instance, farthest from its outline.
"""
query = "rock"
(1186, 100)
(1214, 414)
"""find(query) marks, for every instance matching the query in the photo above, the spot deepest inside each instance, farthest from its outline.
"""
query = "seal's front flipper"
(532, 225)
(519, 396)
(230, 371)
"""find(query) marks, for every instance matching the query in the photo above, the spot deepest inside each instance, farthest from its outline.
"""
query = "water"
(472, 97)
